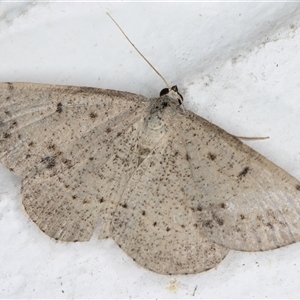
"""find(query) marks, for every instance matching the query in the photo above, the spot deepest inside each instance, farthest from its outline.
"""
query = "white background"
(236, 64)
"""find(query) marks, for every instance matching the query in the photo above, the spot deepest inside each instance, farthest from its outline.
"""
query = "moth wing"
(153, 223)
(246, 202)
(73, 148)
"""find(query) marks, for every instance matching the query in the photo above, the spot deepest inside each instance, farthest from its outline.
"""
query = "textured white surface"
(236, 64)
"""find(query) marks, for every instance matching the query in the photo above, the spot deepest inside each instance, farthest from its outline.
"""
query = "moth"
(173, 190)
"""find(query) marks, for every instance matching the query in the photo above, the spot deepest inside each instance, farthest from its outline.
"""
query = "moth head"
(173, 93)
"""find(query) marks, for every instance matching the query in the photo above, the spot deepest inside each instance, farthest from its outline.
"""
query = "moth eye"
(164, 91)
(174, 88)
(173, 91)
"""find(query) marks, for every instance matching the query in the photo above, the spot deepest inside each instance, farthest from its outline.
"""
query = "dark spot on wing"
(93, 115)
(242, 217)
(168, 229)
(51, 147)
(199, 207)
(101, 200)
(67, 162)
(154, 224)
(49, 161)
(211, 156)
(143, 212)
(298, 187)
(223, 205)
(219, 221)
(144, 151)
(187, 156)
(208, 223)
(244, 172)
(59, 108)
(124, 205)
(108, 130)
(6, 135)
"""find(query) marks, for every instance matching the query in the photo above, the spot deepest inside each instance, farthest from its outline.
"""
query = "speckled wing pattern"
(74, 149)
(174, 191)
(154, 222)
(247, 202)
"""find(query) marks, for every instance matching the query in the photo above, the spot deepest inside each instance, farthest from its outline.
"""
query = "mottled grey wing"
(153, 222)
(74, 149)
(245, 201)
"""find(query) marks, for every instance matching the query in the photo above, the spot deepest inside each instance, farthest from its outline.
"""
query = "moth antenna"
(251, 138)
(169, 87)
